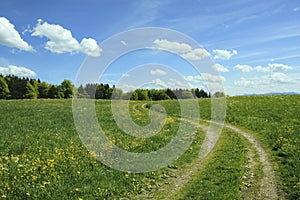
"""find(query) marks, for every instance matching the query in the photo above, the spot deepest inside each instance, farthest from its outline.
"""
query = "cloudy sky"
(254, 45)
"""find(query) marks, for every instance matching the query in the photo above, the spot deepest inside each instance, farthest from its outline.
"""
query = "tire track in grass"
(267, 185)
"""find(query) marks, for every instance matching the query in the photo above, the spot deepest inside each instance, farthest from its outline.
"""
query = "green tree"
(142, 94)
(81, 92)
(67, 88)
(117, 93)
(101, 92)
(219, 94)
(187, 94)
(160, 95)
(55, 92)
(201, 93)
(43, 89)
(126, 95)
(17, 87)
(171, 94)
(134, 95)
(4, 90)
(31, 91)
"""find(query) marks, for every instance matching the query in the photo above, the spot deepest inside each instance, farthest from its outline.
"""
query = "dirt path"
(268, 182)
(267, 186)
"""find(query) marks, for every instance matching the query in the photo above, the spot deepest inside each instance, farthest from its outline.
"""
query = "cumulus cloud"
(158, 72)
(213, 78)
(277, 78)
(194, 79)
(126, 87)
(90, 47)
(243, 68)
(172, 46)
(183, 49)
(224, 54)
(205, 78)
(243, 82)
(273, 67)
(174, 83)
(196, 54)
(17, 71)
(62, 41)
(10, 37)
(159, 82)
(212, 82)
(270, 68)
(274, 79)
(261, 69)
(220, 68)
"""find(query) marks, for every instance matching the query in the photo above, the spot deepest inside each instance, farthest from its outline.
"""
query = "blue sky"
(254, 45)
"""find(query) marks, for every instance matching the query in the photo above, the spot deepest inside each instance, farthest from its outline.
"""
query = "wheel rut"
(267, 185)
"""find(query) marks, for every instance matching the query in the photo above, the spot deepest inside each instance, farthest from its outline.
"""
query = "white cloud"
(158, 72)
(10, 37)
(224, 54)
(243, 82)
(90, 47)
(243, 68)
(273, 67)
(270, 68)
(196, 54)
(62, 41)
(183, 49)
(194, 79)
(273, 81)
(126, 87)
(278, 77)
(212, 78)
(261, 69)
(159, 82)
(270, 80)
(212, 82)
(174, 83)
(206, 78)
(214, 86)
(220, 68)
(16, 70)
(172, 46)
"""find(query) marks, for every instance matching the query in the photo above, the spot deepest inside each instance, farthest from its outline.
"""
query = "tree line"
(13, 87)
(104, 91)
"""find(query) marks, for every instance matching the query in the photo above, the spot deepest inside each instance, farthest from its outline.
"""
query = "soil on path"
(267, 186)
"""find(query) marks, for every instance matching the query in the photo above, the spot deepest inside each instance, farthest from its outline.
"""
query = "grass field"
(42, 157)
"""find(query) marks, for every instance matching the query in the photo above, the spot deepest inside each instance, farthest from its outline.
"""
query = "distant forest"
(13, 87)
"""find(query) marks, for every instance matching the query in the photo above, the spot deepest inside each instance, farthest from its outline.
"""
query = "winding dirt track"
(267, 186)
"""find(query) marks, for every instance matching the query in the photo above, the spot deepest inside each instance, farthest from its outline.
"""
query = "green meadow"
(42, 156)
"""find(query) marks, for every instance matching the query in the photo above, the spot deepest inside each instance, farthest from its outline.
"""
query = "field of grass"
(42, 156)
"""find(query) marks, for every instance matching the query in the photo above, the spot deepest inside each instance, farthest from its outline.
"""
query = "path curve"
(268, 186)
